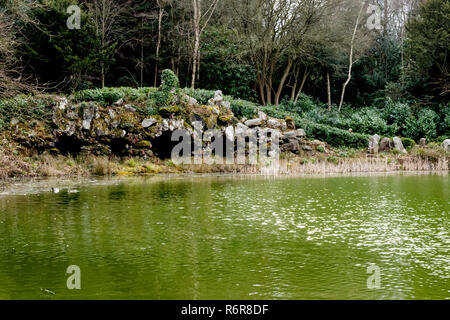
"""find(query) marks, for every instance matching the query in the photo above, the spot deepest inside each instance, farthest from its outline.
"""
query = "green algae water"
(222, 237)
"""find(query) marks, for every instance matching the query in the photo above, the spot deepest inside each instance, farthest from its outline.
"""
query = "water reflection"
(225, 237)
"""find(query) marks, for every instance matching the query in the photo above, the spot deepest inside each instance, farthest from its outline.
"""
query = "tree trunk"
(350, 59)
(142, 55)
(268, 93)
(196, 6)
(329, 91)
(103, 40)
(158, 44)
(103, 75)
(294, 87)
(260, 81)
(283, 80)
(198, 64)
(305, 76)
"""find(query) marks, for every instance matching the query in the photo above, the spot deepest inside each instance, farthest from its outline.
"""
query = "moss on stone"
(167, 111)
(225, 118)
(143, 144)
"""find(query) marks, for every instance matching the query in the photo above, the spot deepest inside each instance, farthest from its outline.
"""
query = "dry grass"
(296, 165)
(18, 162)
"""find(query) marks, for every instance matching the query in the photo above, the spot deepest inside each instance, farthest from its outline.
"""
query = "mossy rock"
(167, 111)
(290, 123)
(129, 120)
(144, 144)
(225, 119)
(157, 117)
(100, 127)
(203, 111)
(54, 151)
(210, 122)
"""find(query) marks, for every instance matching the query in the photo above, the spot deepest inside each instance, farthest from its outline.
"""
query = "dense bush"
(334, 136)
(444, 120)
(408, 143)
(396, 113)
(425, 125)
(201, 95)
(365, 120)
(303, 105)
(25, 108)
(108, 96)
(169, 81)
(240, 108)
(369, 121)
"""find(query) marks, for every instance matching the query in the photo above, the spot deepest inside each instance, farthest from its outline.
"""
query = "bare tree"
(105, 16)
(350, 64)
(160, 4)
(200, 21)
(328, 90)
(12, 79)
(276, 32)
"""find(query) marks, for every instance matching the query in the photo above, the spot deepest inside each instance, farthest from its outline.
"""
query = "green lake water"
(223, 237)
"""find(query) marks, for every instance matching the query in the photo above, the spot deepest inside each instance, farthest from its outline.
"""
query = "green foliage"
(396, 113)
(334, 136)
(303, 105)
(108, 96)
(166, 93)
(444, 120)
(169, 81)
(201, 95)
(242, 108)
(426, 125)
(57, 53)
(429, 40)
(25, 108)
(369, 121)
(408, 143)
(218, 71)
(365, 120)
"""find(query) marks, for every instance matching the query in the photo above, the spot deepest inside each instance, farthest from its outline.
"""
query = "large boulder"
(423, 142)
(275, 123)
(290, 123)
(301, 133)
(88, 115)
(293, 134)
(253, 122)
(262, 116)
(218, 100)
(385, 145)
(446, 144)
(189, 101)
(218, 97)
(292, 146)
(398, 145)
(148, 122)
(374, 144)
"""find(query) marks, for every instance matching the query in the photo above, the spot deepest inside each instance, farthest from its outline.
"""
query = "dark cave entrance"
(163, 145)
(68, 145)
